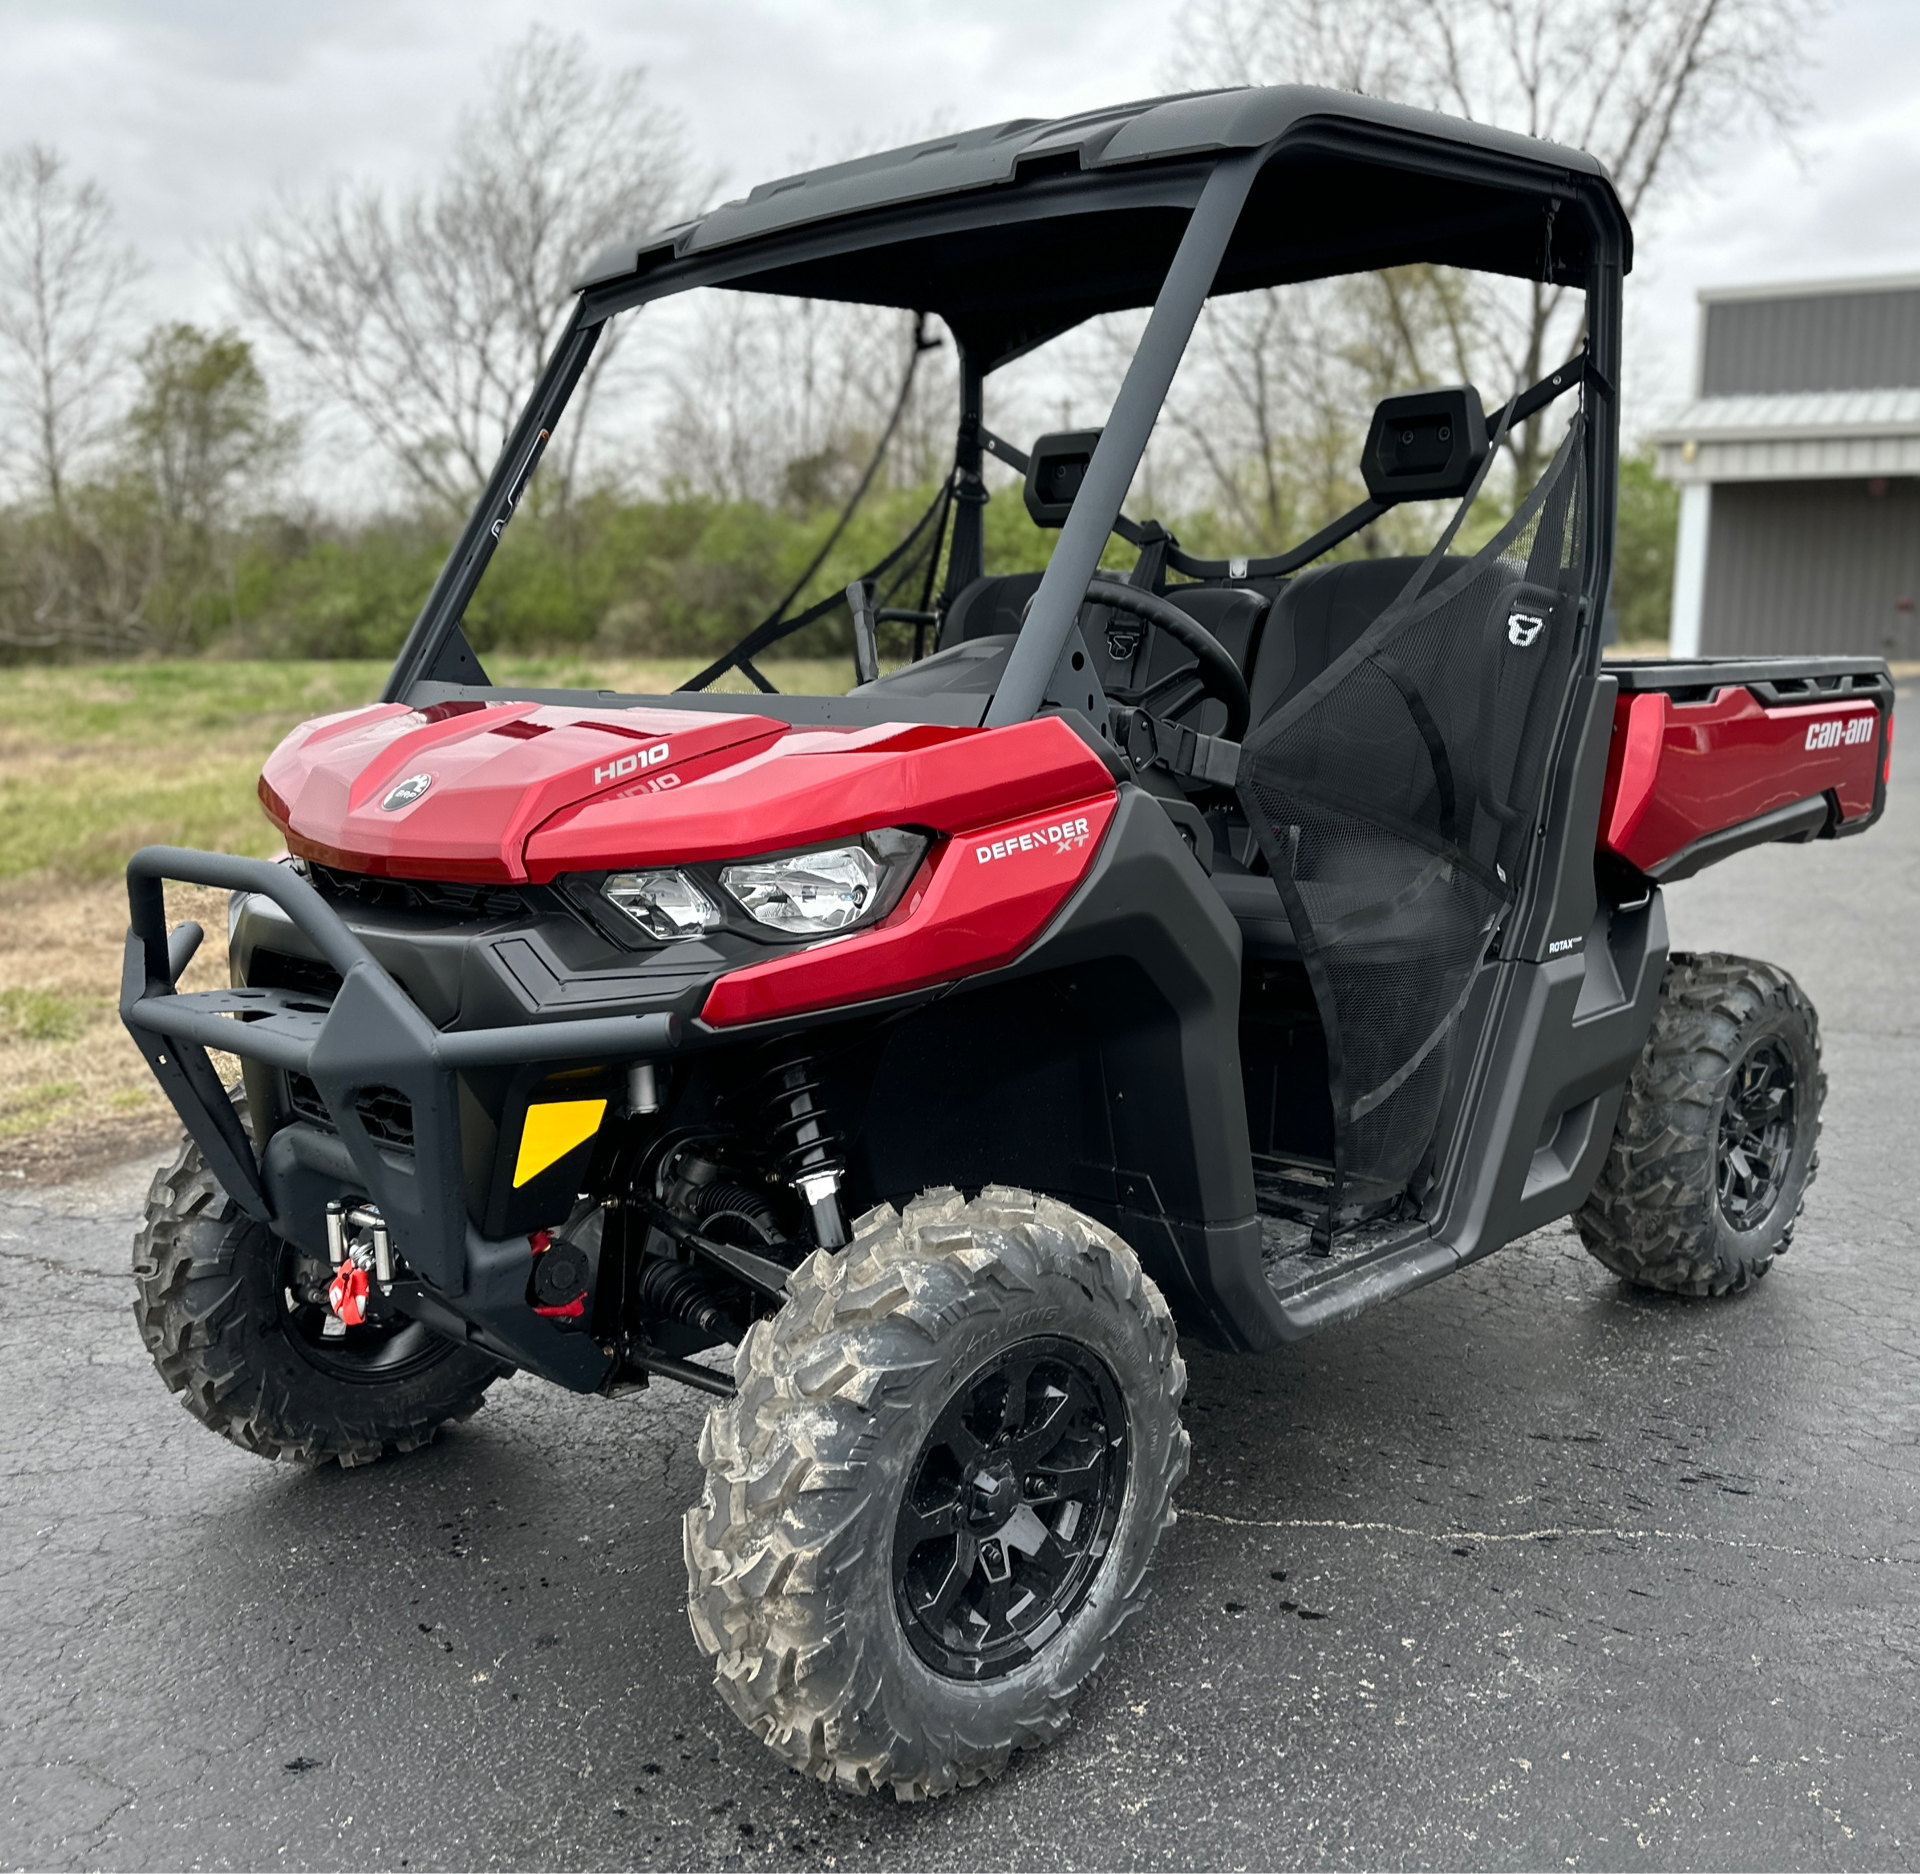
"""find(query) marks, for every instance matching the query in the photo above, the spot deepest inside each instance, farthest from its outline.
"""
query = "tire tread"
(1652, 1216)
(197, 1322)
(781, 1516)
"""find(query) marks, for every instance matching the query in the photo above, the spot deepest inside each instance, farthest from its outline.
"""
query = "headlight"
(808, 894)
(667, 905)
(812, 894)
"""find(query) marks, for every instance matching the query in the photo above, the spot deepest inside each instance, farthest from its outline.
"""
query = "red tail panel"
(1679, 771)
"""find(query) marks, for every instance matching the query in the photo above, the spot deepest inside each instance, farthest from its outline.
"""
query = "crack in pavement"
(57, 1267)
(1550, 1533)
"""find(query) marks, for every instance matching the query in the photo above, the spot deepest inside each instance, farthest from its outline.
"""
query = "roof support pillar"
(1690, 570)
(966, 557)
(1043, 638)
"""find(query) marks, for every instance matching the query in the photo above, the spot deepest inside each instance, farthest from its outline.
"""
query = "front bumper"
(371, 1037)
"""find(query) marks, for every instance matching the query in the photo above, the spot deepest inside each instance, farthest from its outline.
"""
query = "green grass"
(36, 1106)
(42, 1015)
(97, 760)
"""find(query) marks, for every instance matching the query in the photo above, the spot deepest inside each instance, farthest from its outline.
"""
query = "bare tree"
(1258, 442)
(1651, 87)
(428, 314)
(782, 400)
(64, 281)
(1263, 415)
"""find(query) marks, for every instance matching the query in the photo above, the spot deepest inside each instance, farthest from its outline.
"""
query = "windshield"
(733, 463)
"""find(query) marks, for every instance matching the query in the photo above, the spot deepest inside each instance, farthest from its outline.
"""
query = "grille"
(274, 969)
(444, 899)
(386, 1112)
(387, 1115)
(304, 1097)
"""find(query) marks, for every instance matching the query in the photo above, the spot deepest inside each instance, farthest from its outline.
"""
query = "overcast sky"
(191, 112)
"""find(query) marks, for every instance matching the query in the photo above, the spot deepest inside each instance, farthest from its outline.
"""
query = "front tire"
(211, 1303)
(932, 1504)
(1716, 1141)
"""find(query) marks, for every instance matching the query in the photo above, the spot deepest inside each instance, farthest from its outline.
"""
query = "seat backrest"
(989, 607)
(1318, 617)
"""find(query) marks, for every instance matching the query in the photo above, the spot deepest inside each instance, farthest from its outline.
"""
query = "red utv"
(1228, 944)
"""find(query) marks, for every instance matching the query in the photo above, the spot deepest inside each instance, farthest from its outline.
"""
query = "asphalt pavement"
(1525, 1570)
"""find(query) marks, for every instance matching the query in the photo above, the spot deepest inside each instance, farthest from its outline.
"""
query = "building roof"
(1811, 289)
(1792, 436)
(1015, 231)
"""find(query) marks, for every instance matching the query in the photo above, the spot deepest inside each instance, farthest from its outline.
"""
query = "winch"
(361, 1252)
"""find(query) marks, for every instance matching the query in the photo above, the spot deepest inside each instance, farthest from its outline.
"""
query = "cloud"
(1844, 203)
(194, 112)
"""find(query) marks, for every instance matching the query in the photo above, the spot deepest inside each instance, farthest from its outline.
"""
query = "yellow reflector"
(552, 1131)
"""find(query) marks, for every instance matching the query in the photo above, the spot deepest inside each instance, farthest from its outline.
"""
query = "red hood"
(523, 790)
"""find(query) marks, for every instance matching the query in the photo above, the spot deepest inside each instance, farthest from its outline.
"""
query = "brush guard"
(370, 1036)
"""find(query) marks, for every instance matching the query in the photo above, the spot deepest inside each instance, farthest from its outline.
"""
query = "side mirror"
(1426, 444)
(1055, 470)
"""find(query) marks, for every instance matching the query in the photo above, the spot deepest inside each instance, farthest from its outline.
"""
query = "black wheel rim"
(1756, 1135)
(1010, 1508)
(375, 1353)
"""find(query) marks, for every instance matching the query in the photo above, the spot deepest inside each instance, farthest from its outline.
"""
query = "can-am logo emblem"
(630, 764)
(1523, 628)
(407, 792)
(1840, 731)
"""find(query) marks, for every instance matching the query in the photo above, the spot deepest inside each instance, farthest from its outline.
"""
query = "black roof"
(1019, 230)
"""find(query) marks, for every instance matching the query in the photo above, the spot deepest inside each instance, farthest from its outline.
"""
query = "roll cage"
(1018, 232)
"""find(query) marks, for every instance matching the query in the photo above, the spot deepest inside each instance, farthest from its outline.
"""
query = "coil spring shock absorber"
(805, 1148)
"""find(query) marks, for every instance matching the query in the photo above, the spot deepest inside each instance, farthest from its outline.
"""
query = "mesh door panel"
(1395, 799)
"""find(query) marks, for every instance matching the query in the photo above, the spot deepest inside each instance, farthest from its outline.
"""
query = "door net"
(1395, 799)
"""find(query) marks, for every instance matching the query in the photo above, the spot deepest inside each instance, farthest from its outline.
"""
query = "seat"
(1317, 619)
(1130, 656)
(993, 606)
(988, 607)
(1234, 614)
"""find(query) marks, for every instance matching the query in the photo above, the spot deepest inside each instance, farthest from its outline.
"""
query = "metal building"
(1798, 463)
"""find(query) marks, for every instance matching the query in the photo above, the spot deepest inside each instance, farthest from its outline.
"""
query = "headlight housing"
(820, 893)
(666, 905)
(807, 894)
(814, 894)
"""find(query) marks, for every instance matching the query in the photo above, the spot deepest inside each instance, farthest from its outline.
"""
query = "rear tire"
(211, 1307)
(1716, 1141)
(885, 1564)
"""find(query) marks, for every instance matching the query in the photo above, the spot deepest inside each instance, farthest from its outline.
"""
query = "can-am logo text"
(630, 764)
(1061, 837)
(1840, 731)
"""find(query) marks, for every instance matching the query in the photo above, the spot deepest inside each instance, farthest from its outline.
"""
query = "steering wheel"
(1219, 676)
